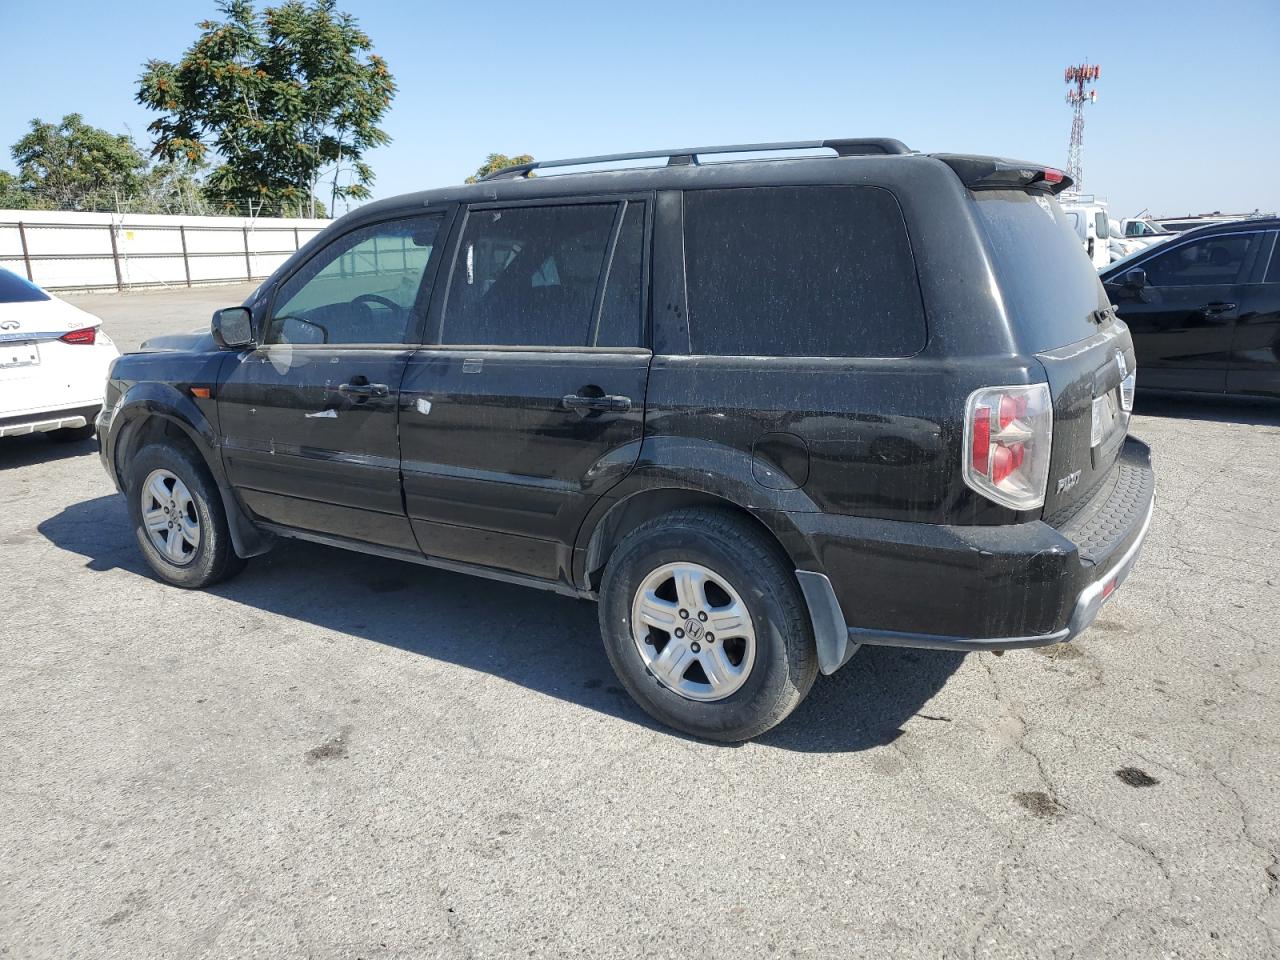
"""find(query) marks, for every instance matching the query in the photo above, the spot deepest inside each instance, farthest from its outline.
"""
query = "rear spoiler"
(994, 173)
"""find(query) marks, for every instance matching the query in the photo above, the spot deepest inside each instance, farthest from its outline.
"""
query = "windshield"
(15, 289)
(1046, 279)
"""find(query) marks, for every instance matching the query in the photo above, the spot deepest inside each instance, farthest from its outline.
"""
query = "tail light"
(85, 335)
(1007, 435)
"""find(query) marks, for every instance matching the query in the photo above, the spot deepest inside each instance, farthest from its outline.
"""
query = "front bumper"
(940, 587)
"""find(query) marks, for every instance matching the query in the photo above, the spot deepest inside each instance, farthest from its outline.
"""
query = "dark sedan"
(1204, 309)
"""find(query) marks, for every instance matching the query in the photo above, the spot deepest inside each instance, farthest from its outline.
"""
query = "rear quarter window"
(1049, 286)
(809, 271)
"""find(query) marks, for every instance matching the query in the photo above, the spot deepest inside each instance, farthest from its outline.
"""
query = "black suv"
(1204, 308)
(763, 410)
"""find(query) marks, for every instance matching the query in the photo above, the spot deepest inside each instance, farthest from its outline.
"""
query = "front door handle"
(1217, 310)
(609, 403)
(363, 390)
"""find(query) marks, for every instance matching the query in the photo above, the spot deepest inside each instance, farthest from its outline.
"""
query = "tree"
(71, 165)
(12, 196)
(495, 162)
(282, 99)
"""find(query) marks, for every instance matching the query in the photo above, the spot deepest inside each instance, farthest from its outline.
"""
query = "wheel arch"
(626, 514)
(153, 416)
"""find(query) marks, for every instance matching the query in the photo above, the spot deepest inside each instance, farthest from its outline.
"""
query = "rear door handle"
(610, 403)
(364, 390)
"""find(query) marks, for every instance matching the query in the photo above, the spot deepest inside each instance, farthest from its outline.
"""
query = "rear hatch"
(1060, 313)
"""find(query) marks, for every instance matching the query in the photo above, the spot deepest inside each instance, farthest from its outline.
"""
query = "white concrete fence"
(85, 251)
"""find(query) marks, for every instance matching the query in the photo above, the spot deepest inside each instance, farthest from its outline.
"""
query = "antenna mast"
(1078, 78)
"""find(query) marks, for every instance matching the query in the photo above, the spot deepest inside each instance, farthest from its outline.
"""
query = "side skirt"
(454, 566)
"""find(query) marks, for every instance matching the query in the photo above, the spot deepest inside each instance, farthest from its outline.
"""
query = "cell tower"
(1078, 78)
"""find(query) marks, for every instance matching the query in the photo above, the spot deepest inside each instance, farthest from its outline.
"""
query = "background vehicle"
(54, 359)
(764, 412)
(1089, 217)
(1204, 309)
(1143, 228)
(1194, 221)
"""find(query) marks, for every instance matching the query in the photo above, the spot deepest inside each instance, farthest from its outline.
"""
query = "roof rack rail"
(687, 156)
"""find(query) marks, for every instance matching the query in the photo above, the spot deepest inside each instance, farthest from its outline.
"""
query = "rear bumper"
(976, 588)
(47, 420)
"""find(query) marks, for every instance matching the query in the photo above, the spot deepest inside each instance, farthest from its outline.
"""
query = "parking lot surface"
(339, 756)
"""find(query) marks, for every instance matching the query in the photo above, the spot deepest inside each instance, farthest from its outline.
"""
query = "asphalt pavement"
(339, 756)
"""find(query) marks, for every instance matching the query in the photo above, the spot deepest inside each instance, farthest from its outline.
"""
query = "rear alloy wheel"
(693, 632)
(705, 625)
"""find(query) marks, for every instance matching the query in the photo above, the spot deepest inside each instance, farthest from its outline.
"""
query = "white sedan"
(54, 360)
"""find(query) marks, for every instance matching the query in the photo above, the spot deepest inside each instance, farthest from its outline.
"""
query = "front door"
(531, 406)
(1183, 320)
(308, 418)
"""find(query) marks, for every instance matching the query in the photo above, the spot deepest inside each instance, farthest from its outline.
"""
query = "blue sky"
(1187, 117)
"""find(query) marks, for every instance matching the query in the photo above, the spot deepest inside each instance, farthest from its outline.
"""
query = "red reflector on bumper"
(1109, 589)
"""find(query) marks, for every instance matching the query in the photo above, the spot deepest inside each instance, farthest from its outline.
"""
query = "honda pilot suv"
(765, 411)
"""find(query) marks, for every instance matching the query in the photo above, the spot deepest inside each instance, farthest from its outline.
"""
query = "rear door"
(530, 406)
(308, 417)
(1183, 321)
(1255, 348)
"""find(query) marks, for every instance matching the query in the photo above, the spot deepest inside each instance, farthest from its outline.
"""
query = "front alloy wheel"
(170, 517)
(693, 631)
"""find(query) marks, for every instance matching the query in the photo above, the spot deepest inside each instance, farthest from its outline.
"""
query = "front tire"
(178, 518)
(705, 625)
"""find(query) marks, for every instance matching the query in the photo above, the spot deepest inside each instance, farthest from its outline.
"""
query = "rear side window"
(1273, 271)
(14, 289)
(800, 272)
(528, 276)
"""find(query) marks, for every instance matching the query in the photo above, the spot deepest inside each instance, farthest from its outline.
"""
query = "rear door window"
(622, 311)
(529, 276)
(809, 271)
(1208, 261)
(1273, 271)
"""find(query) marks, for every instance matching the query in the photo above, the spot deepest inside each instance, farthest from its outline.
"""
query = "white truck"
(1088, 214)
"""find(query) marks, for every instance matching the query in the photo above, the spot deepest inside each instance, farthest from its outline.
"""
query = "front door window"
(362, 289)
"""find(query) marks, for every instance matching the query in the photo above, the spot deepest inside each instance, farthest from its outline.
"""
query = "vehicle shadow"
(35, 448)
(539, 640)
(1259, 411)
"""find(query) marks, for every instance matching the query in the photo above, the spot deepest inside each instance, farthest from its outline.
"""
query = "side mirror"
(232, 328)
(1135, 279)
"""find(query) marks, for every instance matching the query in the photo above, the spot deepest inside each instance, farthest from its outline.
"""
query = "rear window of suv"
(814, 271)
(1047, 282)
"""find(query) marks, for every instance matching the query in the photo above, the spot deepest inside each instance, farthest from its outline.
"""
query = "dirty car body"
(897, 373)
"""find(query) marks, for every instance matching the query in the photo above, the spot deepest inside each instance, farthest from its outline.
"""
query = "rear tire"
(709, 565)
(73, 434)
(178, 518)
